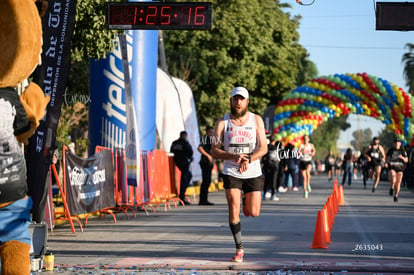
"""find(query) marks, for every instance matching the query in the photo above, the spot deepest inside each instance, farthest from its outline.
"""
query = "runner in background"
(363, 163)
(330, 165)
(306, 152)
(338, 165)
(396, 161)
(376, 157)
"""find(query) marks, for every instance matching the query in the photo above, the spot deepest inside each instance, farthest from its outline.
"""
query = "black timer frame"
(397, 16)
(159, 15)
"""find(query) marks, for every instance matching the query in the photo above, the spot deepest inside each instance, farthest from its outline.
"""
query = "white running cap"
(240, 91)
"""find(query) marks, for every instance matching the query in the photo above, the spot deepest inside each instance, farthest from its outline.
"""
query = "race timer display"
(159, 15)
(395, 16)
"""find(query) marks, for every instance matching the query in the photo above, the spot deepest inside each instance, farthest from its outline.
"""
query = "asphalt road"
(371, 234)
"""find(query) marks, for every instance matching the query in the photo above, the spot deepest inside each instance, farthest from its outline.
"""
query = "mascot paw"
(15, 258)
(34, 102)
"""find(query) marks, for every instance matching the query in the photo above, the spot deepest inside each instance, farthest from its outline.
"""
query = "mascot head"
(20, 40)
(20, 49)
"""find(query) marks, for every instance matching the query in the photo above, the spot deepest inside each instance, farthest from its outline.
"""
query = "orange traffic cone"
(335, 187)
(326, 228)
(332, 204)
(331, 208)
(335, 202)
(329, 214)
(319, 234)
(341, 199)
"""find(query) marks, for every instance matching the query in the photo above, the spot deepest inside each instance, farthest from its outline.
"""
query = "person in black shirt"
(396, 160)
(272, 169)
(290, 164)
(183, 156)
(206, 164)
(347, 167)
(409, 171)
(363, 163)
(376, 157)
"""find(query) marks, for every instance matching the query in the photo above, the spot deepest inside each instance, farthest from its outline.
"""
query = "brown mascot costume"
(20, 48)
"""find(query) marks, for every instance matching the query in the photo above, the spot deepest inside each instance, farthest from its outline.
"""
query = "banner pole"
(65, 205)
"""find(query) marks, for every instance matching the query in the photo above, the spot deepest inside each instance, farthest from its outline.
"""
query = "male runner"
(242, 135)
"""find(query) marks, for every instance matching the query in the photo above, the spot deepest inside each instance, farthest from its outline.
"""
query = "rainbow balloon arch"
(306, 107)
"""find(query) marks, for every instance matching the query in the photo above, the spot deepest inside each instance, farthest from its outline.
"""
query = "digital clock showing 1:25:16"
(159, 15)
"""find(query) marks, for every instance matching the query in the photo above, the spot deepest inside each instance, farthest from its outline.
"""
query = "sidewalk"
(197, 240)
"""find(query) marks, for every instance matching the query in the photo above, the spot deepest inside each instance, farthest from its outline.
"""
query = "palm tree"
(408, 60)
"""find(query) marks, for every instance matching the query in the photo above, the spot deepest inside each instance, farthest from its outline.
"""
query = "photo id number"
(368, 247)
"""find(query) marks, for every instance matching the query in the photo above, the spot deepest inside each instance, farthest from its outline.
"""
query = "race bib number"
(240, 148)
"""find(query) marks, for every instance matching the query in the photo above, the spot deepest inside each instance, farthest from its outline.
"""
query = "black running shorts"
(247, 185)
(303, 165)
(397, 168)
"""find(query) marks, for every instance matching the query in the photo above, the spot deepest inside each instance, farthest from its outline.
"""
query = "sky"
(340, 37)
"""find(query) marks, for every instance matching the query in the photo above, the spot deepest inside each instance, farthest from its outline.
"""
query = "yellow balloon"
(279, 109)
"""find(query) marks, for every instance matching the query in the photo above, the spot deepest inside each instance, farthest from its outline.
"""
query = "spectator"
(290, 166)
(206, 164)
(272, 169)
(347, 167)
(183, 156)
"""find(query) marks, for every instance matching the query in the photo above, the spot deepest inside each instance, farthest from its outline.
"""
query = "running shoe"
(275, 198)
(395, 199)
(309, 188)
(295, 189)
(281, 189)
(239, 256)
(306, 195)
(244, 208)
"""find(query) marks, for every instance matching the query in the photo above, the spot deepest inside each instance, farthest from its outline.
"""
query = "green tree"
(386, 138)
(252, 43)
(73, 116)
(91, 39)
(408, 60)
(361, 138)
